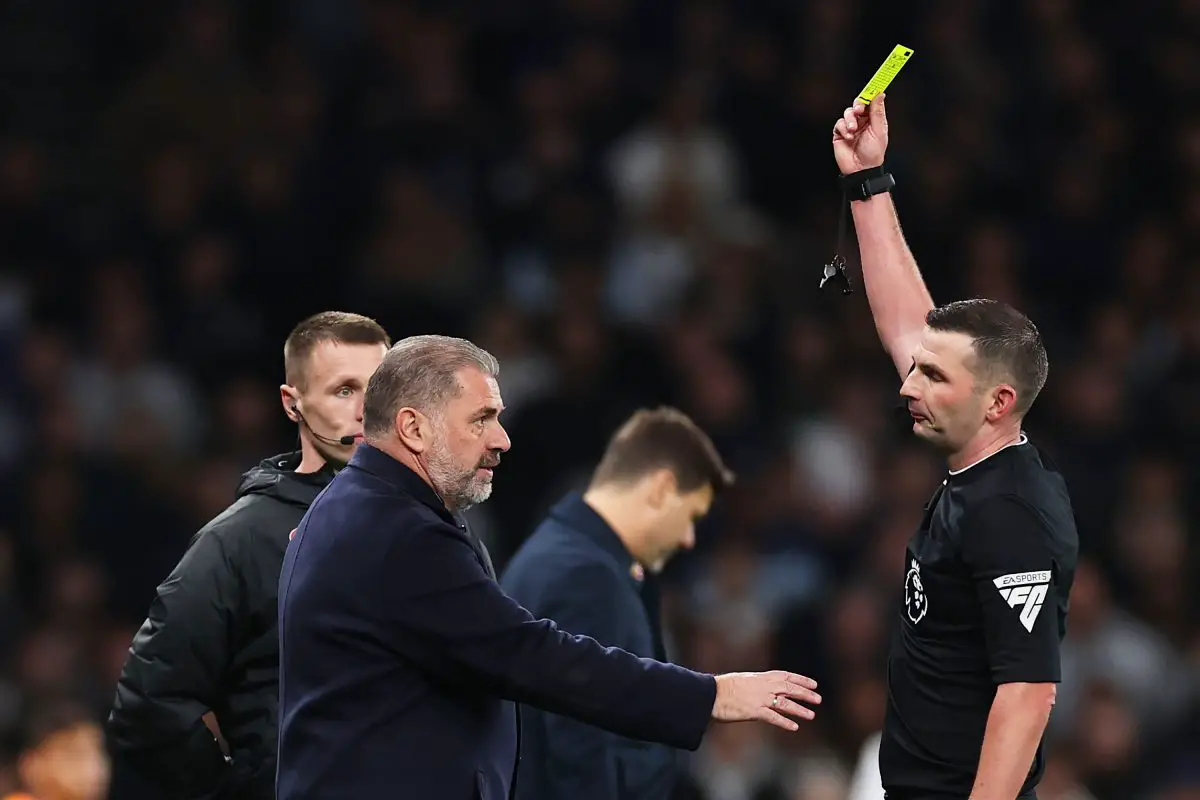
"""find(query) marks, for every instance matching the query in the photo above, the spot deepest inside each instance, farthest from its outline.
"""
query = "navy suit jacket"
(576, 571)
(400, 654)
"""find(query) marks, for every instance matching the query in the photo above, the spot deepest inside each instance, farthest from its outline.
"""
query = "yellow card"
(886, 73)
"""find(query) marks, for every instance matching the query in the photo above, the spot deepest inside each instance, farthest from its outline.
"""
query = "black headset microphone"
(344, 441)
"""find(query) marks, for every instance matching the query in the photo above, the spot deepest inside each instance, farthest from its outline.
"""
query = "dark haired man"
(585, 567)
(210, 642)
(974, 666)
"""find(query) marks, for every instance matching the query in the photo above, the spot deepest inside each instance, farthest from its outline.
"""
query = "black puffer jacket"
(210, 643)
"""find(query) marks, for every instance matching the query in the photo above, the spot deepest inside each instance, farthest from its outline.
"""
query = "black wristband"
(867, 182)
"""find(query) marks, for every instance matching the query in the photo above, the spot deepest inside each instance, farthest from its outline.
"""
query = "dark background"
(628, 203)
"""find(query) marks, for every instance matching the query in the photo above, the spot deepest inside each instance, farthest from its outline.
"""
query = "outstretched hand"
(860, 137)
(767, 696)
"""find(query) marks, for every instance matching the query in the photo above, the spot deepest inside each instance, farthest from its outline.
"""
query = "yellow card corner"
(886, 73)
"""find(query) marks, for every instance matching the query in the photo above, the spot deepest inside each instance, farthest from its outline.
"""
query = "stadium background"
(629, 203)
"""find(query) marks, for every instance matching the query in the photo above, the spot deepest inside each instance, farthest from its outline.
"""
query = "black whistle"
(835, 271)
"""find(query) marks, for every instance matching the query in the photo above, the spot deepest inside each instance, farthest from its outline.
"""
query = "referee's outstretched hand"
(860, 136)
(767, 696)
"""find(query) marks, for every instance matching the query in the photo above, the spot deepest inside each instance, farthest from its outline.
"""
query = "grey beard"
(458, 490)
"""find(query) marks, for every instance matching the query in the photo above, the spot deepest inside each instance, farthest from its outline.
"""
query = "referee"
(974, 665)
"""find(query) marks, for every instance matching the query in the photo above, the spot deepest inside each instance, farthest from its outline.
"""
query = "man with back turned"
(975, 662)
(400, 653)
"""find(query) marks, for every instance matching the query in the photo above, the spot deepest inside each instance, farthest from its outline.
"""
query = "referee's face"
(331, 400)
(946, 408)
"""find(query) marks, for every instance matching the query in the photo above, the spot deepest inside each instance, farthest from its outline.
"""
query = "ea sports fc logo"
(916, 602)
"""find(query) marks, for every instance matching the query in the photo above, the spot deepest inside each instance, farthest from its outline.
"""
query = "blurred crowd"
(628, 203)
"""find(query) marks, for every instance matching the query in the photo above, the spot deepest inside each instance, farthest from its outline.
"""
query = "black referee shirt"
(986, 582)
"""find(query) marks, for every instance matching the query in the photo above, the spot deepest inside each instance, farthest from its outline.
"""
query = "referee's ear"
(289, 396)
(1003, 405)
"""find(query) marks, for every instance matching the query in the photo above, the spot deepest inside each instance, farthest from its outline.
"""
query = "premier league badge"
(916, 602)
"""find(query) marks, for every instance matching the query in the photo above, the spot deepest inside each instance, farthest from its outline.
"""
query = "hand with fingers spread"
(860, 137)
(767, 696)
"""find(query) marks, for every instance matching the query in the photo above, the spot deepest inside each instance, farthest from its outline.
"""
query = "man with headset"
(209, 644)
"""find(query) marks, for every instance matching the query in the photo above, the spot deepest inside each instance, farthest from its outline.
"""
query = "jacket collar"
(383, 466)
(276, 477)
(572, 512)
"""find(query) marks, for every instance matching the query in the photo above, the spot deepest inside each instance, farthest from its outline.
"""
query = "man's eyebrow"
(931, 369)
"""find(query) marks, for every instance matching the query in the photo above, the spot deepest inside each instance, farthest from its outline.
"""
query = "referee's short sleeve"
(1009, 550)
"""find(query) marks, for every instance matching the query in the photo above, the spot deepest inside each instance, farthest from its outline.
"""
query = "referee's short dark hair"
(328, 326)
(1008, 345)
(663, 438)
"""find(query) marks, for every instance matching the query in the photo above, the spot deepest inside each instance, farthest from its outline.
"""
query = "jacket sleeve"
(445, 614)
(578, 756)
(173, 674)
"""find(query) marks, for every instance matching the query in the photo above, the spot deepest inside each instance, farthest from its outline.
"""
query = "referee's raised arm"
(897, 294)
